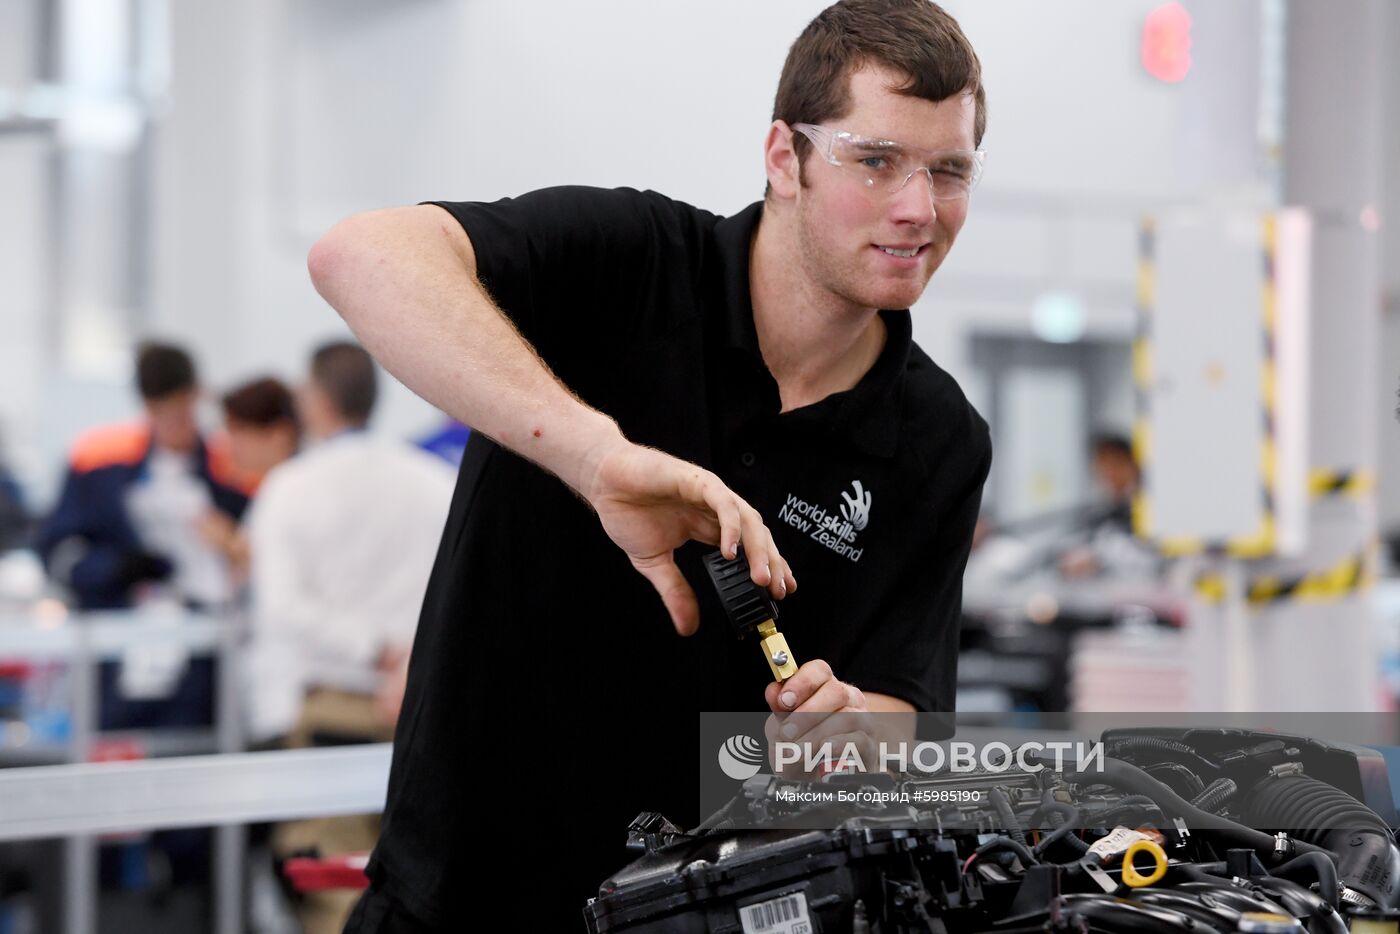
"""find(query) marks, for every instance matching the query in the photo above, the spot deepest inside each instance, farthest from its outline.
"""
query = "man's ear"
(780, 161)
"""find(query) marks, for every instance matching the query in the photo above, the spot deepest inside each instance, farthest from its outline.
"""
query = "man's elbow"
(331, 257)
(413, 240)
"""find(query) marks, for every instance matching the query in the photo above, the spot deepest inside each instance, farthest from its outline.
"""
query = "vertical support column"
(50, 71)
(80, 851)
(1312, 649)
(229, 839)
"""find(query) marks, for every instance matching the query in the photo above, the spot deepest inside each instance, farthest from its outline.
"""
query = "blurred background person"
(1105, 531)
(260, 422)
(1116, 476)
(14, 517)
(134, 495)
(260, 418)
(127, 530)
(342, 538)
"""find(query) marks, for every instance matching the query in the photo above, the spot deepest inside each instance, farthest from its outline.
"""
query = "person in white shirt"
(342, 538)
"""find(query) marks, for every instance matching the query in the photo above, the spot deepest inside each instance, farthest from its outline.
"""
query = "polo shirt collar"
(869, 413)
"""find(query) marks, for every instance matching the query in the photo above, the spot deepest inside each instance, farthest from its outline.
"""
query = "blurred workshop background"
(1176, 301)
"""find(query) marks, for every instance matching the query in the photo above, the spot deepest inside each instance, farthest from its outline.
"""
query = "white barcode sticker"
(786, 914)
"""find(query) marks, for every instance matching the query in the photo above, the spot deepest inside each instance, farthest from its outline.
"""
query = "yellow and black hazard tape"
(1326, 483)
(1334, 583)
(1143, 372)
(1260, 543)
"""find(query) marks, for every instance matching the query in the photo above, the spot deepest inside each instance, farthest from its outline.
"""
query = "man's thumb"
(674, 590)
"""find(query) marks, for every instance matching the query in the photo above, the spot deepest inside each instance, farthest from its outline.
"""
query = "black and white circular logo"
(741, 757)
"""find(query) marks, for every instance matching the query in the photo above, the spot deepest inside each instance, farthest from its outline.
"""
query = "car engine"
(1186, 831)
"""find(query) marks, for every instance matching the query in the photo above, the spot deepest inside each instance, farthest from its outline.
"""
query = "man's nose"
(913, 202)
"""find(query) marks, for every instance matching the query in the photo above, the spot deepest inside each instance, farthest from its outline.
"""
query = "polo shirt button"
(746, 458)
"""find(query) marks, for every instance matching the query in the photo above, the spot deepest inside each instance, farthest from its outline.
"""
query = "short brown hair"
(345, 371)
(163, 370)
(262, 402)
(916, 38)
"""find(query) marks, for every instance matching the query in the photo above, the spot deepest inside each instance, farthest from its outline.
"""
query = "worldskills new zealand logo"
(828, 528)
(856, 509)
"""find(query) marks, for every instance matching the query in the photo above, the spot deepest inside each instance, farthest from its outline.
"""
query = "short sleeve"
(912, 653)
(581, 271)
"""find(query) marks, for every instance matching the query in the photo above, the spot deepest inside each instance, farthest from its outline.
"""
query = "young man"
(128, 527)
(642, 377)
(136, 495)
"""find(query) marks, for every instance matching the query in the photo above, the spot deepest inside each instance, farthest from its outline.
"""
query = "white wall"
(288, 114)
(24, 247)
(24, 273)
(1082, 143)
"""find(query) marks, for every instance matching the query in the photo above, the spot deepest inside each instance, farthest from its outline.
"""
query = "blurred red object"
(1166, 42)
(335, 872)
(116, 750)
(15, 669)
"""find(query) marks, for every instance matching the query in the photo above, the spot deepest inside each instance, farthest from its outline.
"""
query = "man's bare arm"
(404, 280)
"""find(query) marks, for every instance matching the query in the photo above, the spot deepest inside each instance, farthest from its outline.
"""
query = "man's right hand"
(651, 503)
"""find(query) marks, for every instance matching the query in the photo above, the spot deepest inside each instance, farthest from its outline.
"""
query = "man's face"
(843, 226)
(256, 449)
(1115, 473)
(172, 420)
(316, 411)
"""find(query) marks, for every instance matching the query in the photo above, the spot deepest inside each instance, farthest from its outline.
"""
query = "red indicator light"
(1166, 42)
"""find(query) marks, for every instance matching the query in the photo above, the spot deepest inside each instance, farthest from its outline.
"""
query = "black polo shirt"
(549, 698)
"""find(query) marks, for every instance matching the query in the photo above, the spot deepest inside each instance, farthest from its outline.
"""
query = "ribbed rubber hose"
(1010, 824)
(1065, 819)
(1006, 843)
(1216, 794)
(1310, 809)
(1128, 776)
(1179, 751)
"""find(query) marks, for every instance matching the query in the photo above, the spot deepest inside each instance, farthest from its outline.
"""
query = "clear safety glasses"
(882, 165)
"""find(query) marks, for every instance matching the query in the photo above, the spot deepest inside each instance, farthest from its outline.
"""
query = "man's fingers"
(771, 726)
(783, 572)
(739, 523)
(767, 568)
(857, 750)
(781, 582)
(706, 528)
(674, 590)
(813, 727)
(809, 678)
(757, 545)
(728, 510)
(831, 696)
(731, 529)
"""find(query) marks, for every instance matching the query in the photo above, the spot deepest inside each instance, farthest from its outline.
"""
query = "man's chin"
(885, 291)
(901, 295)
